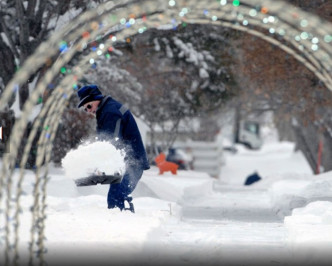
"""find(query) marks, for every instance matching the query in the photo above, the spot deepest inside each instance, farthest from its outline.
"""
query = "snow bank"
(309, 230)
(319, 212)
(93, 235)
(158, 188)
(174, 188)
(293, 191)
(91, 157)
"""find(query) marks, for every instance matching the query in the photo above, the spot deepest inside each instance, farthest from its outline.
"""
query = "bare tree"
(166, 76)
(24, 25)
(270, 79)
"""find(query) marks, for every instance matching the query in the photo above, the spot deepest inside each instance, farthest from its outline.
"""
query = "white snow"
(191, 218)
(93, 157)
(16, 105)
(156, 45)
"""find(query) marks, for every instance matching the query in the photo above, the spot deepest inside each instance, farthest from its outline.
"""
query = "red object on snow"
(164, 165)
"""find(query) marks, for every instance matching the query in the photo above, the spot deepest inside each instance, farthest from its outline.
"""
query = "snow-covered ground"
(191, 218)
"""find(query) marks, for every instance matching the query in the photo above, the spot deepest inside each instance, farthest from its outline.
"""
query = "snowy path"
(227, 227)
(233, 204)
(232, 224)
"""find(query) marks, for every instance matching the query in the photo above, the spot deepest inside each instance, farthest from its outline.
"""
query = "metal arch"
(319, 62)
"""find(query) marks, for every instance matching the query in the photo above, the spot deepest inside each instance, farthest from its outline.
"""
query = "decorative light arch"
(305, 36)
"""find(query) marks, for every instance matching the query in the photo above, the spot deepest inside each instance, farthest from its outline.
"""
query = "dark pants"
(118, 193)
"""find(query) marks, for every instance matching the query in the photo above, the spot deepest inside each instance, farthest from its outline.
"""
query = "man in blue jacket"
(116, 123)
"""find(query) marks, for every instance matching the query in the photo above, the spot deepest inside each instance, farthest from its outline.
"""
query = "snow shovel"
(102, 179)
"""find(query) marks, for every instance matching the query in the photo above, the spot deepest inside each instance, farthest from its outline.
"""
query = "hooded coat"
(114, 121)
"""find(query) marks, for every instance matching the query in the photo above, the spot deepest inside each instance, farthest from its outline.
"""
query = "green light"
(328, 38)
(114, 18)
(184, 24)
(108, 56)
(236, 3)
(63, 70)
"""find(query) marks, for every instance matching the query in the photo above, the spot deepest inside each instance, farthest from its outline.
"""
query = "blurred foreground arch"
(304, 36)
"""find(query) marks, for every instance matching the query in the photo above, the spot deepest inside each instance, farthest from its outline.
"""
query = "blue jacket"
(114, 120)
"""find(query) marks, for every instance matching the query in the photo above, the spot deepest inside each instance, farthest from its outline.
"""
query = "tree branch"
(24, 29)
(10, 40)
(31, 8)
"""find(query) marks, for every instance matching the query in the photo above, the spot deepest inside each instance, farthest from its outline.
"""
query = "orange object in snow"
(164, 165)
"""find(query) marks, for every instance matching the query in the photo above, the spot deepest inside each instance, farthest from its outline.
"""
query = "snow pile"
(174, 188)
(309, 230)
(157, 188)
(290, 192)
(320, 187)
(91, 157)
(318, 212)
(287, 195)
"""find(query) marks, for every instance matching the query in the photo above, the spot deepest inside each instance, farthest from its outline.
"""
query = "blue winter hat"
(89, 93)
